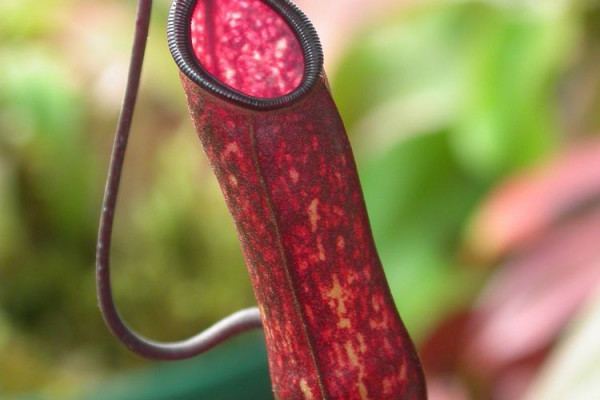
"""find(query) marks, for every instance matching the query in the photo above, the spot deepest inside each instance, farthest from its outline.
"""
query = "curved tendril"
(238, 322)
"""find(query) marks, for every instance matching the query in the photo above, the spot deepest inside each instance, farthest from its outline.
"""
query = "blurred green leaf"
(42, 120)
(25, 19)
(508, 116)
(418, 199)
(403, 57)
(488, 73)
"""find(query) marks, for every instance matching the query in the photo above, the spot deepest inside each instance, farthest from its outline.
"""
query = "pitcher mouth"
(239, 69)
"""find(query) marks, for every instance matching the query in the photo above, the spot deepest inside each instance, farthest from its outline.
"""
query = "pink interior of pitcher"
(247, 46)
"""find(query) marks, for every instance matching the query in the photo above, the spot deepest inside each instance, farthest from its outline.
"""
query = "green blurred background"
(442, 100)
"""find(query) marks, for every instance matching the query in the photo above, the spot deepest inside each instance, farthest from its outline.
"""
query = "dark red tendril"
(232, 325)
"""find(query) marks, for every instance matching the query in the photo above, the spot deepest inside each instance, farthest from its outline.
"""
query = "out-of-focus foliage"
(177, 263)
(443, 100)
(446, 101)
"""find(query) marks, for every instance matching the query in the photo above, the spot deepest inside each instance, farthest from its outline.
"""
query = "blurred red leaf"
(546, 224)
(523, 207)
(530, 298)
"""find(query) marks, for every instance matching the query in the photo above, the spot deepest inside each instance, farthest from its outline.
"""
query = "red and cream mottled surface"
(289, 179)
